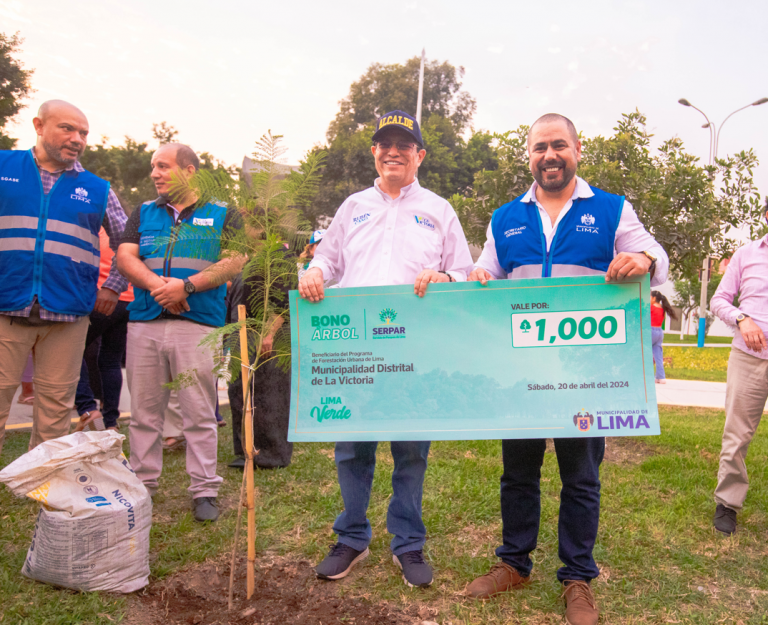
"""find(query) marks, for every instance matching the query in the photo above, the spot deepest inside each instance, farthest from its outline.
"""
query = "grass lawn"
(694, 340)
(661, 561)
(709, 364)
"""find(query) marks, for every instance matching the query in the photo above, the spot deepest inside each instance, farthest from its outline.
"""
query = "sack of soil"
(92, 531)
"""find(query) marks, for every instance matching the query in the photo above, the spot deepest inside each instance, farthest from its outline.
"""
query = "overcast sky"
(225, 72)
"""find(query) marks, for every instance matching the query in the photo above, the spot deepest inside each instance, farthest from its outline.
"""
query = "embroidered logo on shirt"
(361, 219)
(424, 222)
(80, 194)
(7, 179)
(514, 231)
(199, 221)
(587, 220)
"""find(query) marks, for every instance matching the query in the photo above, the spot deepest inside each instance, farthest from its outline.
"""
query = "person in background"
(660, 306)
(51, 211)
(746, 390)
(309, 251)
(27, 395)
(112, 329)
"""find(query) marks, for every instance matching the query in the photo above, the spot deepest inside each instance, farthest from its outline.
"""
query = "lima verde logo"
(324, 411)
(388, 330)
(583, 420)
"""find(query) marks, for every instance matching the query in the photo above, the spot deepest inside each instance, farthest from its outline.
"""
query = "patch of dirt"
(287, 591)
(627, 450)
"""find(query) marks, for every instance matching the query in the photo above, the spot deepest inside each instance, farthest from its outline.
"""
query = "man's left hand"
(626, 265)
(106, 300)
(172, 292)
(425, 277)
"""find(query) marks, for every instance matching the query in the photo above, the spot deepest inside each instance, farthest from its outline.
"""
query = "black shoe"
(416, 571)
(725, 520)
(238, 463)
(339, 561)
(205, 509)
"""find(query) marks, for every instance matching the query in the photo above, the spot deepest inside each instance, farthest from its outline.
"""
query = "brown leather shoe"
(580, 606)
(500, 578)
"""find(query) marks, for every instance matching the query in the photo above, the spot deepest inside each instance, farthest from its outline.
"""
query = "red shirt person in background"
(660, 307)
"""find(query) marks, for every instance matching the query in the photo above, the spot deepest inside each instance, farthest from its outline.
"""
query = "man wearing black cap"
(395, 232)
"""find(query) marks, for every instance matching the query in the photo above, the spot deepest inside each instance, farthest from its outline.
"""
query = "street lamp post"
(714, 142)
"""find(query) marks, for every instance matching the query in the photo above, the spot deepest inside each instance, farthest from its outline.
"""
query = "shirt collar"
(581, 190)
(76, 165)
(161, 201)
(404, 192)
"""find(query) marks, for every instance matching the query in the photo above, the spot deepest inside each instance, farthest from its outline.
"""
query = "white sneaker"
(662, 381)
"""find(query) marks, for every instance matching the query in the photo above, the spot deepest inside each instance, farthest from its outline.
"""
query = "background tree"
(14, 85)
(687, 295)
(447, 113)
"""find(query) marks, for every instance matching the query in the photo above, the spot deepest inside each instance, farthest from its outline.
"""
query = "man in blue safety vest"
(171, 253)
(51, 211)
(561, 227)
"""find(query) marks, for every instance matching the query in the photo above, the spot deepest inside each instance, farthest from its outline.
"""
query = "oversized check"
(543, 358)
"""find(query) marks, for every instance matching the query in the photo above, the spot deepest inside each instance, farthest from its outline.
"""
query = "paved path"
(693, 393)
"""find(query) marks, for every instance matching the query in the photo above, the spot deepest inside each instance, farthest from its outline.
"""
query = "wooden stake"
(247, 415)
(237, 540)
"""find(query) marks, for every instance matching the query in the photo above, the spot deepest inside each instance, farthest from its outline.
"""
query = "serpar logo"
(80, 194)
(583, 421)
(588, 222)
(424, 223)
(7, 179)
(200, 221)
(388, 331)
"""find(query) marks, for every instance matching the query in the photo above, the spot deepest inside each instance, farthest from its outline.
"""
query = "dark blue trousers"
(579, 462)
(113, 330)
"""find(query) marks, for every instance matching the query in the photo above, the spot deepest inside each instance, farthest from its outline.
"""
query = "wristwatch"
(740, 317)
(189, 287)
(652, 258)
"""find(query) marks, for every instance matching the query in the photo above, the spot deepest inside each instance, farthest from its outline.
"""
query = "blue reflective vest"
(180, 250)
(49, 244)
(583, 244)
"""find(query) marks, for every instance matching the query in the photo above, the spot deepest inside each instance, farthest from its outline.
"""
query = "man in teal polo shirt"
(170, 252)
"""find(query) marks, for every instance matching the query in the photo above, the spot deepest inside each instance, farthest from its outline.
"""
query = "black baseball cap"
(401, 120)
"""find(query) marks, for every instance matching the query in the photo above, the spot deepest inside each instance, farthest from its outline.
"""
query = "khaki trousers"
(158, 351)
(745, 395)
(57, 351)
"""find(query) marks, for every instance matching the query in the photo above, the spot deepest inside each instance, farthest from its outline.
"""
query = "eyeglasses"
(402, 146)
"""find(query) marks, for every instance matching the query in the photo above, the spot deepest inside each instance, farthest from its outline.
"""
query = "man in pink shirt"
(747, 389)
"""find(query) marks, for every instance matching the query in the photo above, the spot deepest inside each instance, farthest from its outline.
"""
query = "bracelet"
(450, 277)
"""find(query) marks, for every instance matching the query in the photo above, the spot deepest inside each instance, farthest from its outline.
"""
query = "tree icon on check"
(525, 326)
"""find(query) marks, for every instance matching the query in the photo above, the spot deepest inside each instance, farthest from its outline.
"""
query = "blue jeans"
(657, 338)
(113, 330)
(579, 462)
(355, 463)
